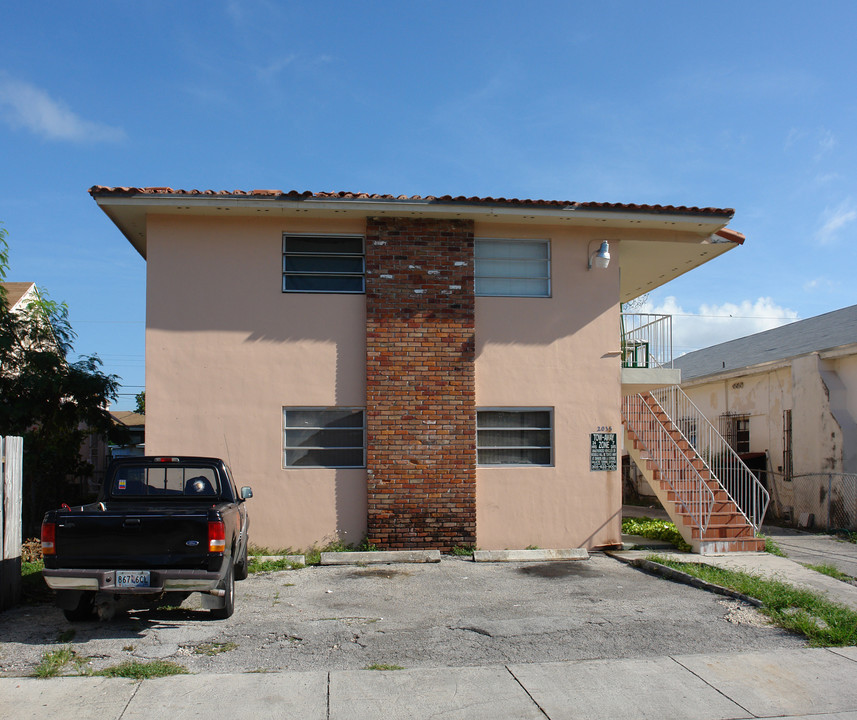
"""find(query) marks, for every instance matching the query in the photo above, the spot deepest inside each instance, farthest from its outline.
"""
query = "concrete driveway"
(454, 613)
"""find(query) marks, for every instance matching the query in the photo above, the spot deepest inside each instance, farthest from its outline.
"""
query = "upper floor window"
(323, 263)
(519, 268)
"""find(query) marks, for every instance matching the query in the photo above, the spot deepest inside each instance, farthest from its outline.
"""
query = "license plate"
(132, 578)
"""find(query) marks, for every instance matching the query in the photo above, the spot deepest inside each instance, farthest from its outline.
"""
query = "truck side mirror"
(246, 492)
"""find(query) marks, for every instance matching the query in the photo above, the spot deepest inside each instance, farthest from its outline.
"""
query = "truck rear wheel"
(84, 610)
(229, 598)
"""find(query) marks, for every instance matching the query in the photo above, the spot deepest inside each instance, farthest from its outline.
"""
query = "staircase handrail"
(655, 437)
(719, 457)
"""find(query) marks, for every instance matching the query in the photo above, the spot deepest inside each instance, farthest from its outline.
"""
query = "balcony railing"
(647, 340)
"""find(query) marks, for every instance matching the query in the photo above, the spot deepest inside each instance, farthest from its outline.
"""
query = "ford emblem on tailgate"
(192, 543)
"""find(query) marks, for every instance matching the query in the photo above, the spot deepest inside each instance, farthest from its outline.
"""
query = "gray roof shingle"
(816, 334)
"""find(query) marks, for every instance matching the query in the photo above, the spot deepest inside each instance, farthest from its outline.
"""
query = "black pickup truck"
(164, 527)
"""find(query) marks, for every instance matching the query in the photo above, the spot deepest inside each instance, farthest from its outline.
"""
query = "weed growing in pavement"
(772, 547)
(143, 670)
(383, 666)
(259, 566)
(832, 571)
(824, 623)
(55, 661)
(655, 530)
(214, 648)
(462, 550)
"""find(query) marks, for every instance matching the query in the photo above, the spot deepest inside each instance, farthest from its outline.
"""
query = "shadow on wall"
(351, 504)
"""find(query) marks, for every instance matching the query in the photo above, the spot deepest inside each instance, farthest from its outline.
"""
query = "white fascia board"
(368, 207)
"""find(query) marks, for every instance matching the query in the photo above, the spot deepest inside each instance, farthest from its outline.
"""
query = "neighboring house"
(18, 294)
(423, 372)
(786, 399)
(136, 424)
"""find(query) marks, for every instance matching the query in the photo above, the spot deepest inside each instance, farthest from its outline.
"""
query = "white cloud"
(820, 283)
(834, 219)
(713, 324)
(826, 143)
(25, 105)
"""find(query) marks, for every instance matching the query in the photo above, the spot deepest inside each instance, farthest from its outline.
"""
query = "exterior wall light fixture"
(601, 257)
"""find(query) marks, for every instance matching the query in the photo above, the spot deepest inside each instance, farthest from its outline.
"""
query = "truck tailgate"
(121, 537)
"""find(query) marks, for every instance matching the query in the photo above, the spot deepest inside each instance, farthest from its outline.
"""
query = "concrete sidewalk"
(821, 683)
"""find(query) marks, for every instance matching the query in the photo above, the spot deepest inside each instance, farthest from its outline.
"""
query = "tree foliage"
(52, 402)
(140, 397)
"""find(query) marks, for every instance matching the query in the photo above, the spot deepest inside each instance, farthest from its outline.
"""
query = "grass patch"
(66, 636)
(462, 550)
(54, 662)
(143, 670)
(383, 666)
(772, 547)
(831, 571)
(824, 623)
(34, 590)
(655, 530)
(259, 566)
(214, 648)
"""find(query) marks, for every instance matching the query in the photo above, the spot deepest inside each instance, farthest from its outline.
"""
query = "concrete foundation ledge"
(294, 559)
(378, 557)
(529, 555)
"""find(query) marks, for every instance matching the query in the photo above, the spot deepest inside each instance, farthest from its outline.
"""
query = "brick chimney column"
(420, 392)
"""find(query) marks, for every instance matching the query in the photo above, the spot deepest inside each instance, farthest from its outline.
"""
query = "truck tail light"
(216, 536)
(49, 538)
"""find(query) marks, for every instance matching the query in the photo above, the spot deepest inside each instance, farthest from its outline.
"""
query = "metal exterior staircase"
(717, 504)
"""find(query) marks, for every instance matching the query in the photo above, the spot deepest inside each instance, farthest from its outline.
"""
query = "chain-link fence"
(821, 501)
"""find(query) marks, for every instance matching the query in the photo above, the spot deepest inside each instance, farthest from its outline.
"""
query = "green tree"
(52, 402)
(140, 397)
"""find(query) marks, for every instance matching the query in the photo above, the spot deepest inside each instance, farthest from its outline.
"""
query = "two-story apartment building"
(421, 371)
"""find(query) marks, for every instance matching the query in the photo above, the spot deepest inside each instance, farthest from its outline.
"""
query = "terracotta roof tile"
(100, 190)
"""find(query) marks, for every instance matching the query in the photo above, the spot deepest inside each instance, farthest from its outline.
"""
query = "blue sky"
(749, 105)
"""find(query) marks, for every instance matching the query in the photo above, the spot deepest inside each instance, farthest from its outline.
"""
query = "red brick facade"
(420, 393)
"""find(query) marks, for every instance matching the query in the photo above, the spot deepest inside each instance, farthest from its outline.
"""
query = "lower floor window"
(324, 437)
(507, 436)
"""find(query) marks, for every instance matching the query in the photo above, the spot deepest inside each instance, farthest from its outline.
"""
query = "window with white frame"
(324, 437)
(323, 263)
(511, 436)
(517, 268)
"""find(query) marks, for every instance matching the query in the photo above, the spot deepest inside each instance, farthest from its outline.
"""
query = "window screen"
(513, 437)
(325, 264)
(513, 268)
(324, 437)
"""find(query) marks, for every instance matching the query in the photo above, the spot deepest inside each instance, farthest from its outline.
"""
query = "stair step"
(722, 545)
(725, 519)
(717, 532)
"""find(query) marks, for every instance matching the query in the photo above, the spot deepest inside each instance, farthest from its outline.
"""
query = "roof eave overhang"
(129, 212)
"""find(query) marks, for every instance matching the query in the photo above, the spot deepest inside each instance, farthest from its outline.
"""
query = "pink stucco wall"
(226, 350)
(557, 352)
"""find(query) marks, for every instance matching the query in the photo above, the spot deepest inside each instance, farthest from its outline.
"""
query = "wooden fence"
(11, 462)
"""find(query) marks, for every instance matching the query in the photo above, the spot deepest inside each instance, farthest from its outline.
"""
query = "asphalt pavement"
(784, 682)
